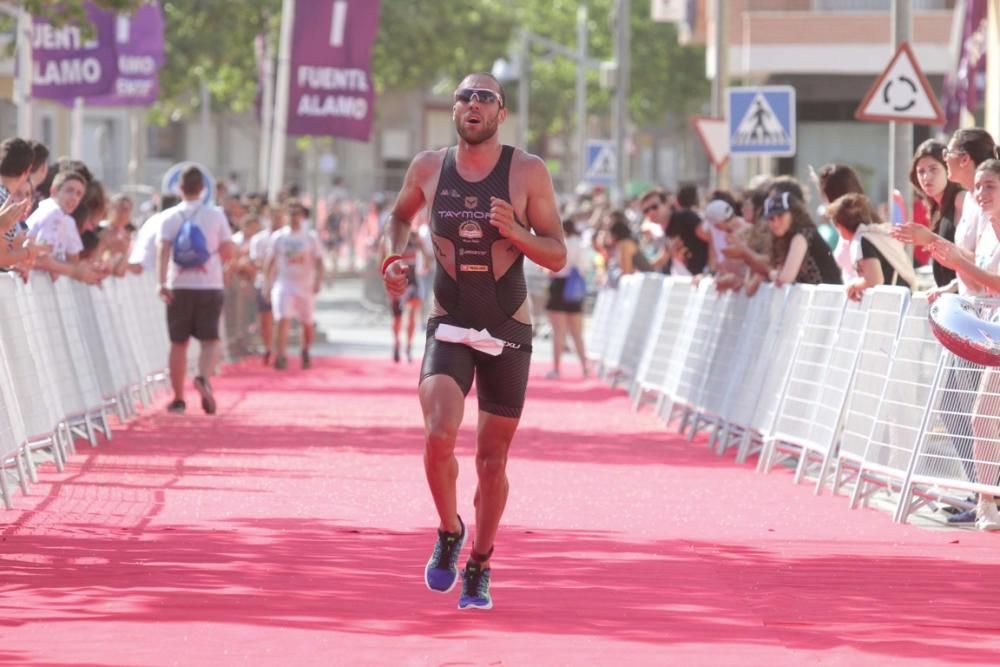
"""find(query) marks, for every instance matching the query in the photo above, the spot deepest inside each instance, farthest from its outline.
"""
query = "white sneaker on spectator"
(987, 516)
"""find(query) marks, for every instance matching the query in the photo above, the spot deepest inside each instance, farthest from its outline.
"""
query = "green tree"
(212, 41)
(424, 46)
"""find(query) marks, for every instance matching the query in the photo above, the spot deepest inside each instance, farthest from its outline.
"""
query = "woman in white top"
(565, 304)
(982, 275)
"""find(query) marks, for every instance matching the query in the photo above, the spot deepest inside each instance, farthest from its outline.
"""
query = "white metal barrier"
(854, 393)
(68, 352)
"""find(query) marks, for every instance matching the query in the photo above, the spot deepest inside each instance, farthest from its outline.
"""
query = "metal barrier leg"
(69, 440)
(32, 472)
(800, 468)
(823, 470)
(685, 418)
(5, 489)
(22, 476)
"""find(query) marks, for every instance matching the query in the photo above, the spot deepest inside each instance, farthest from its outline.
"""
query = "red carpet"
(292, 529)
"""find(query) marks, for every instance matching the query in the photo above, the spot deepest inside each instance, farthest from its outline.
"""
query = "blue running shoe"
(441, 572)
(475, 587)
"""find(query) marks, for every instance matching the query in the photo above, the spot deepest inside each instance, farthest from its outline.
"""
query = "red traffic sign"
(714, 135)
(901, 93)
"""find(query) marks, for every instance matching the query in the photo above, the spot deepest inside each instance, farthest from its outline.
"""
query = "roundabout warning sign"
(901, 93)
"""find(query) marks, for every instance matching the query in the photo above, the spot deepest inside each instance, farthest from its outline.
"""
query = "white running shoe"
(987, 516)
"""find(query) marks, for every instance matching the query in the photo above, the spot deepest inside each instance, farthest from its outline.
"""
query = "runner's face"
(987, 193)
(932, 176)
(477, 121)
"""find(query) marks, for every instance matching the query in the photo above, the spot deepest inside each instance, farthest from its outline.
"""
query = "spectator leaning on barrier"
(16, 158)
(624, 256)
(193, 242)
(683, 225)
(982, 274)
(731, 230)
(52, 225)
(144, 250)
(835, 181)
(967, 149)
(114, 235)
(929, 175)
(39, 170)
(798, 253)
(878, 258)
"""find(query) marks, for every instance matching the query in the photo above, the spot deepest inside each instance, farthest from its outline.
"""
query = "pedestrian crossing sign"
(762, 120)
(602, 162)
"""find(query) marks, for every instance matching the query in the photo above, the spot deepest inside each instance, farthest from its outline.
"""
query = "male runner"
(485, 201)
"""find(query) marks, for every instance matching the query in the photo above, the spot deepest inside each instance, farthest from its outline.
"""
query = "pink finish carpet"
(292, 529)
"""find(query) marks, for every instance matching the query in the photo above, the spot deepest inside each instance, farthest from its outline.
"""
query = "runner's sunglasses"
(481, 95)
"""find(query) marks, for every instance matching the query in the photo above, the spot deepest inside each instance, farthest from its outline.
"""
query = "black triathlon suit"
(460, 215)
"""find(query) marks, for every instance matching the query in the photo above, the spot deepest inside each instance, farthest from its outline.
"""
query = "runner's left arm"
(546, 246)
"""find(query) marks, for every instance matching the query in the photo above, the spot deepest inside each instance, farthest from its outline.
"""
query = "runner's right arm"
(397, 229)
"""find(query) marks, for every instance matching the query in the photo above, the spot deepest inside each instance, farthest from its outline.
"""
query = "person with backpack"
(194, 242)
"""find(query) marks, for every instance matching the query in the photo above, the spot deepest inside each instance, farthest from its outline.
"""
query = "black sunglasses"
(651, 207)
(481, 95)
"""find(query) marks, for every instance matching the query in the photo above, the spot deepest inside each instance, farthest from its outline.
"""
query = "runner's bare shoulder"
(427, 164)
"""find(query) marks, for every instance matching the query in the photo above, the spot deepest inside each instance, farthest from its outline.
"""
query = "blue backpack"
(190, 247)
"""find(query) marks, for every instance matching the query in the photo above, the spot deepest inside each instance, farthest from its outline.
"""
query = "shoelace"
(444, 551)
(475, 581)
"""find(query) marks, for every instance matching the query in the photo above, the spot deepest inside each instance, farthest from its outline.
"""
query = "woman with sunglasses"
(490, 207)
(967, 149)
(798, 253)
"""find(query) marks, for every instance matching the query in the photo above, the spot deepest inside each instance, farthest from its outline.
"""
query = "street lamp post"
(519, 68)
(622, 51)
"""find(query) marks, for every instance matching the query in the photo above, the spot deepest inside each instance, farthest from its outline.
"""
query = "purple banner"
(331, 91)
(964, 86)
(139, 45)
(65, 66)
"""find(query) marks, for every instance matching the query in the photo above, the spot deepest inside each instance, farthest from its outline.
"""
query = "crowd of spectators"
(56, 217)
(766, 232)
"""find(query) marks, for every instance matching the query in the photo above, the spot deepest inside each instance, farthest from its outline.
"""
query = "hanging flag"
(964, 85)
(330, 85)
(140, 50)
(65, 65)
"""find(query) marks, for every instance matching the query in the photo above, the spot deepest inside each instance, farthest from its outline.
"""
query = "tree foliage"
(423, 46)
(212, 41)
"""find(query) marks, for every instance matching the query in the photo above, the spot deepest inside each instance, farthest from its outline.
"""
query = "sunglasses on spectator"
(649, 209)
(949, 153)
(481, 95)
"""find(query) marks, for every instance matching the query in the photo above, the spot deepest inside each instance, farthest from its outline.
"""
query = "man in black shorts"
(191, 284)
(490, 206)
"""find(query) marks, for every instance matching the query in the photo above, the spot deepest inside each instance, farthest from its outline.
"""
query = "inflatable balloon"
(956, 324)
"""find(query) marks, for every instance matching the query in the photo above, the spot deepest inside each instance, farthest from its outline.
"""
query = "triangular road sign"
(714, 135)
(901, 93)
(759, 125)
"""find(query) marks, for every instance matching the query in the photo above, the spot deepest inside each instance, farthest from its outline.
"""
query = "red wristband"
(388, 261)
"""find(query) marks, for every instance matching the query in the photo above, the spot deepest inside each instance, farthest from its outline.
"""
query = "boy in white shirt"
(51, 224)
(294, 277)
